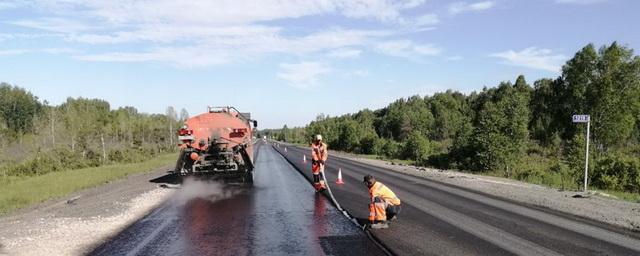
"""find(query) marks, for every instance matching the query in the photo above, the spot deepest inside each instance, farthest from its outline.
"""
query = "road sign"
(581, 118)
(584, 119)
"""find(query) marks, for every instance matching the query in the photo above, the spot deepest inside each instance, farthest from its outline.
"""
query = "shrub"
(616, 172)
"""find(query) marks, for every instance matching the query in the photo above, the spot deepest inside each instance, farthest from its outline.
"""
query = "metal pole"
(586, 158)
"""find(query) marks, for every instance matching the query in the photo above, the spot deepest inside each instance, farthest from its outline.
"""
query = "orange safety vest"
(380, 190)
(319, 152)
(381, 197)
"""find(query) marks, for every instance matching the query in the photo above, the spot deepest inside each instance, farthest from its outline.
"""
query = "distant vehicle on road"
(217, 143)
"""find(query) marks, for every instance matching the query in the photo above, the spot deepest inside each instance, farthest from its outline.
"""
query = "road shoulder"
(74, 224)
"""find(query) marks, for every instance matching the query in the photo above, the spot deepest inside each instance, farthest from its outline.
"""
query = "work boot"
(380, 225)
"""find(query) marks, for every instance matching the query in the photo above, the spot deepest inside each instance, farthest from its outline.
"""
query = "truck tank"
(217, 143)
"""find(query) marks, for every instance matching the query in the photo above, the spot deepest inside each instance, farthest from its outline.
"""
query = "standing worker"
(319, 155)
(385, 205)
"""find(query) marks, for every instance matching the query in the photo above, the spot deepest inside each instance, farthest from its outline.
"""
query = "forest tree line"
(37, 137)
(518, 130)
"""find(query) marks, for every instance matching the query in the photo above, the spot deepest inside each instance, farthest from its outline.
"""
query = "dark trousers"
(392, 211)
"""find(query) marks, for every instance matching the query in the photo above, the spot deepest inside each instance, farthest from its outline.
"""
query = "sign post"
(584, 119)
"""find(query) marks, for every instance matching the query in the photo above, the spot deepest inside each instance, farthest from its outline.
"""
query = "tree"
(417, 147)
(172, 119)
(450, 112)
(184, 115)
(18, 109)
(500, 132)
(543, 107)
(605, 85)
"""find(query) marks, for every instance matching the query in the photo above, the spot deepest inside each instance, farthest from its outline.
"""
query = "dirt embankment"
(75, 224)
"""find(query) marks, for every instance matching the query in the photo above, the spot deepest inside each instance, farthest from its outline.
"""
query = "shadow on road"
(167, 179)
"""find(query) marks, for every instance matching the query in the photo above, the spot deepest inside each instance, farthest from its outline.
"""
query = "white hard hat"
(318, 137)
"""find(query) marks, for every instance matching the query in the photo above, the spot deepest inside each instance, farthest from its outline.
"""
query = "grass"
(19, 192)
(627, 196)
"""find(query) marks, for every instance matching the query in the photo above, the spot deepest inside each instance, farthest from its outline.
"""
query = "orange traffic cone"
(304, 159)
(339, 181)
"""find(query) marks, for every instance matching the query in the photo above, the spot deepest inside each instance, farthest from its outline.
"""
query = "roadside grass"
(18, 192)
(627, 196)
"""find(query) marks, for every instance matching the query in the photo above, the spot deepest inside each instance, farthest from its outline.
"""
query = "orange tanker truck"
(217, 143)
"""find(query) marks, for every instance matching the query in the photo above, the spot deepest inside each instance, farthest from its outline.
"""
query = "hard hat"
(318, 137)
(194, 156)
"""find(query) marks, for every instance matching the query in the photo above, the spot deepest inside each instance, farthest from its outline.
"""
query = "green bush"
(65, 159)
(391, 149)
(614, 172)
(416, 148)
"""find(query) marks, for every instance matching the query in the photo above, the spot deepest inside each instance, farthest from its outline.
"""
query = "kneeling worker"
(385, 205)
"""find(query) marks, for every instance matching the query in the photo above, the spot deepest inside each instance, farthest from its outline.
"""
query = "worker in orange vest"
(319, 156)
(384, 206)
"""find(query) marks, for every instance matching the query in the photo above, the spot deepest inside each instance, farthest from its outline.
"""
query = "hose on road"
(374, 239)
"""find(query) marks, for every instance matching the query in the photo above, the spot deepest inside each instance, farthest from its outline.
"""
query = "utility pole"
(584, 119)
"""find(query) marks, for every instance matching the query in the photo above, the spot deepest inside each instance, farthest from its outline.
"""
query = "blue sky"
(287, 61)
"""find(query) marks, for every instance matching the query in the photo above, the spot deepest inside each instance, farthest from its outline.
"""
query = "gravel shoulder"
(75, 224)
(590, 206)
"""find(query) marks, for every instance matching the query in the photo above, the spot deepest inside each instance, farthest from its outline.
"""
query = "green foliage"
(606, 85)
(514, 130)
(38, 138)
(18, 109)
(500, 132)
(417, 148)
(615, 172)
(562, 170)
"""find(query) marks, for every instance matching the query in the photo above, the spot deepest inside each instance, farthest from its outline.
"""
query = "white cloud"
(582, 2)
(220, 32)
(13, 52)
(16, 36)
(187, 57)
(54, 25)
(407, 49)
(45, 50)
(344, 53)
(304, 74)
(533, 57)
(427, 20)
(454, 58)
(59, 50)
(461, 7)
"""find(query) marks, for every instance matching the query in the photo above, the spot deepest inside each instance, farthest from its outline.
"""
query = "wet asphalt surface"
(441, 219)
(279, 215)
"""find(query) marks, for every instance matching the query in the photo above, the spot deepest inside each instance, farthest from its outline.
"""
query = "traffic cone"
(304, 159)
(339, 181)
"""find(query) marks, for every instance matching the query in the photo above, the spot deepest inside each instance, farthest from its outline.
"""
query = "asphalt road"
(279, 215)
(441, 219)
